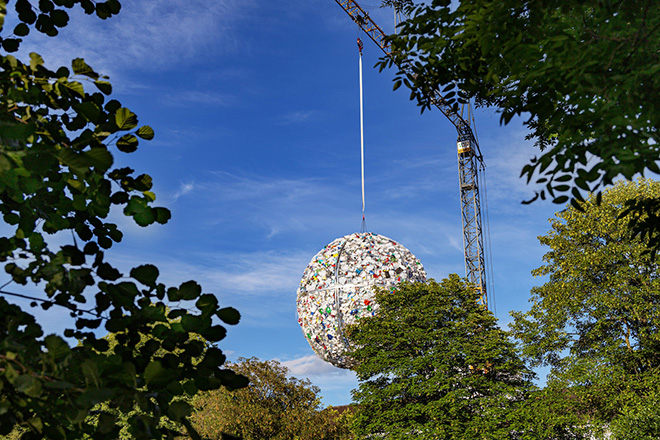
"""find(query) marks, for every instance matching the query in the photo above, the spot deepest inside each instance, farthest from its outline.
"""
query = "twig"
(72, 308)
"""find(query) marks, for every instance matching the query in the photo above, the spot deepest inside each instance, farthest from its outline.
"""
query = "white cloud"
(321, 373)
(274, 205)
(296, 117)
(504, 164)
(261, 285)
(187, 98)
(260, 273)
(184, 189)
(310, 365)
(149, 35)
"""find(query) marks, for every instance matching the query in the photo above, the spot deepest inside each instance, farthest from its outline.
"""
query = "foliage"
(433, 364)
(584, 73)
(596, 320)
(57, 184)
(123, 417)
(274, 406)
(47, 16)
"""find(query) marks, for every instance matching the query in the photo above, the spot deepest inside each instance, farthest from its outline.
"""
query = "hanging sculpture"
(337, 288)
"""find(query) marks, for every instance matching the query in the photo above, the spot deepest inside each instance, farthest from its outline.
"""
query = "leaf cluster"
(582, 73)
(47, 17)
(57, 180)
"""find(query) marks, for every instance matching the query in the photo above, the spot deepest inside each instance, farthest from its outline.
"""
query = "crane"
(470, 159)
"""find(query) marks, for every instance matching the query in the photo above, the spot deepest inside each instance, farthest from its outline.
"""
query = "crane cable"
(364, 223)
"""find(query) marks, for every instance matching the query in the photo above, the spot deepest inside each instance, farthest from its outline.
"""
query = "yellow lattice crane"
(470, 160)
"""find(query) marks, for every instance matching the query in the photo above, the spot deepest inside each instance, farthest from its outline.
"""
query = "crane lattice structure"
(470, 160)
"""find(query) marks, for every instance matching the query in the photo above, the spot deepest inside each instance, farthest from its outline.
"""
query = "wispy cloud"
(321, 373)
(510, 152)
(296, 117)
(275, 205)
(184, 189)
(261, 284)
(311, 366)
(259, 273)
(187, 98)
(149, 35)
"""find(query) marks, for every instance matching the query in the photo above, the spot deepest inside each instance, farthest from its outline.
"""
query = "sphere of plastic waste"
(337, 288)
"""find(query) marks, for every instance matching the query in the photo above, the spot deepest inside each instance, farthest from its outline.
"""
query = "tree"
(274, 406)
(57, 140)
(596, 320)
(583, 73)
(433, 364)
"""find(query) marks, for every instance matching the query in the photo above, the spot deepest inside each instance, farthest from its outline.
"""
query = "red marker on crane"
(360, 45)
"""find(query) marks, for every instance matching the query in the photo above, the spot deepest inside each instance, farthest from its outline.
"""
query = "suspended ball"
(337, 288)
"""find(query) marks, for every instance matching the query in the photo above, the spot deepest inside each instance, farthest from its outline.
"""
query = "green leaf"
(156, 376)
(229, 315)
(90, 371)
(80, 67)
(127, 143)
(56, 347)
(88, 109)
(11, 218)
(60, 17)
(21, 30)
(207, 304)
(99, 158)
(173, 294)
(113, 6)
(75, 161)
(214, 333)
(28, 385)
(163, 215)
(104, 86)
(93, 396)
(125, 119)
(106, 422)
(145, 132)
(144, 182)
(119, 198)
(179, 409)
(11, 44)
(149, 196)
(107, 272)
(190, 290)
(138, 209)
(146, 274)
(192, 323)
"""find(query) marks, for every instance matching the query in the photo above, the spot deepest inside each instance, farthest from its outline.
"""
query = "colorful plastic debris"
(337, 288)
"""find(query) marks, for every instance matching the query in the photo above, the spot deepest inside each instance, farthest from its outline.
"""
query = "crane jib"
(378, 36)
(470, 159)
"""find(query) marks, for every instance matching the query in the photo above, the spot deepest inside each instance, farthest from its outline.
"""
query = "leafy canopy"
(433, 364)
(596, 320)
(58, 134)
(584, 74)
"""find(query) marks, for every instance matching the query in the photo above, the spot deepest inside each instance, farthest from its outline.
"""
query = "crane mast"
(469, 154)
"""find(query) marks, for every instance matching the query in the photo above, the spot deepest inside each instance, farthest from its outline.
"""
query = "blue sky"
(255, 108)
